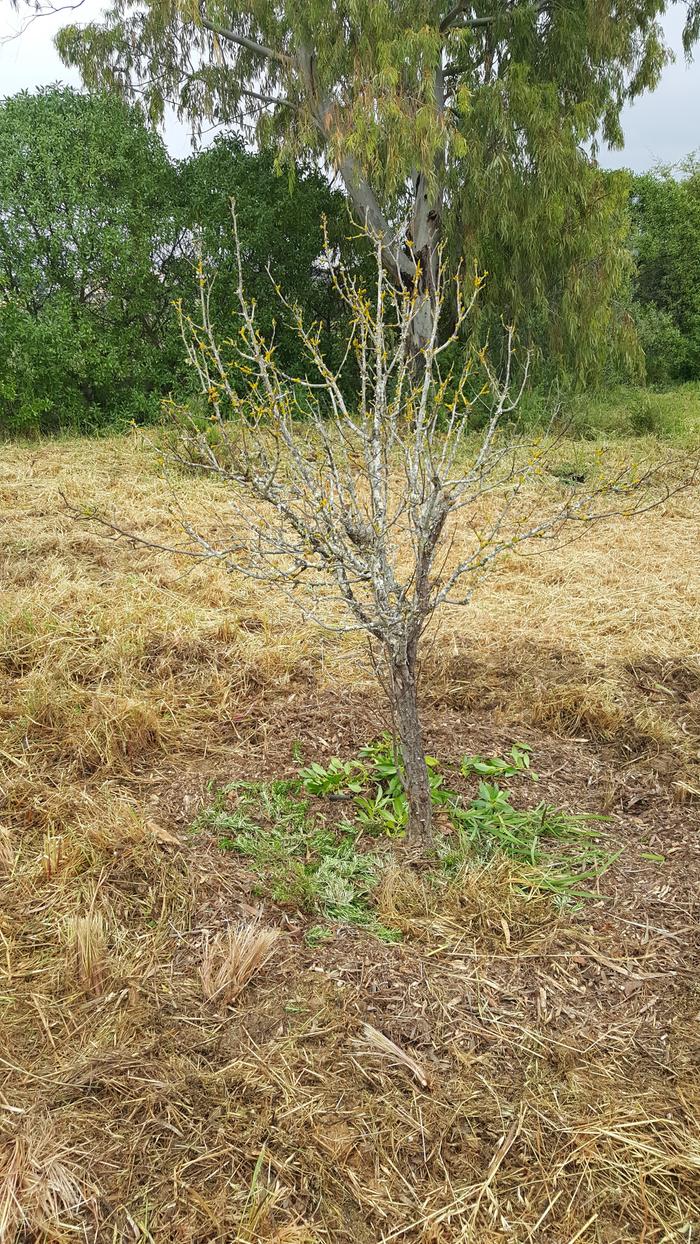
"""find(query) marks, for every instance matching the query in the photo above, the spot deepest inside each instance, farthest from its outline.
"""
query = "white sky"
(663, 126)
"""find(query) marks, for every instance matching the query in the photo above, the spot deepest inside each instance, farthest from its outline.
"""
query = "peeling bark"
(425, 238)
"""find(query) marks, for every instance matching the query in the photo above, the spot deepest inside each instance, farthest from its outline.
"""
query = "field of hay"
(536, 1077)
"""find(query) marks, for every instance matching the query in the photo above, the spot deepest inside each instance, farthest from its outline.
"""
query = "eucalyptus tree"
(474, 118)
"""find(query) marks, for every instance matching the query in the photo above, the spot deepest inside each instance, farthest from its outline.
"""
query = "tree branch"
(82, 515)
(231, 36)
(270, 99)
(373, 219)
(449, 21)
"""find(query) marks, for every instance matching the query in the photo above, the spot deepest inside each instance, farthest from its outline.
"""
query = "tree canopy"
(666, 240)
(471, 118)
(100, 232)
(88, 239)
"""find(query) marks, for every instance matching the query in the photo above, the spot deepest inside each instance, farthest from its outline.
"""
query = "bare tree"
(356, 499)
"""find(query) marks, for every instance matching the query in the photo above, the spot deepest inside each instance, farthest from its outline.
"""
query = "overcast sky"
(663, 126)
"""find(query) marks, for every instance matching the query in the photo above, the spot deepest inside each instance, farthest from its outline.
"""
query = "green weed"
(318, 935)
(494, 766)
(339, 776)
(300, 862)
(486, 825)
(491, 824)
(317, 868)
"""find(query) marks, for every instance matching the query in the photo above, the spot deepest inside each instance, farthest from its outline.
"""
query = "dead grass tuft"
(232, 959)
(86, 942)
(403, 896)
(7, 852)
(374, 1042)
(598, 711)
(40, 1183)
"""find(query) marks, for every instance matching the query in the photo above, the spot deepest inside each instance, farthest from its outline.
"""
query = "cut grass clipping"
(317, 863)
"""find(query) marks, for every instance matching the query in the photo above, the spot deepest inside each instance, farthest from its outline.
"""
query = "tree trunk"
(400, 264)
(426, 216)
(404, 703)
(425, 238)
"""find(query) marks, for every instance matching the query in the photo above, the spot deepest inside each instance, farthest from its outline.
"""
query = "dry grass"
(557, 1099)
(374, 1042)
(86, 950)
(232, 959)
(40, 1184)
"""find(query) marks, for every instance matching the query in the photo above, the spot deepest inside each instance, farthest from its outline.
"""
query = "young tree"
(354, 508)
(472, 116)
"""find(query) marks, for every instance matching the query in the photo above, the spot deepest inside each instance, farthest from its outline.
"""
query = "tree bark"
(404, 703)
(401, 265)
(425, 238)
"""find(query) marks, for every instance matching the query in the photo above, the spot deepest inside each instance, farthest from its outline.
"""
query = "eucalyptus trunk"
(415, 266)
(425, 250)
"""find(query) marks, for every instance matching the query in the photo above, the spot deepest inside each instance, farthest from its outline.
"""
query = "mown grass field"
(540, 1080)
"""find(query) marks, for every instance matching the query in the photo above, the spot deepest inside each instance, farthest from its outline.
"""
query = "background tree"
(666, 241)
(571, 303)
(280, 226)
(472, 118)
(99, 234)
(88, 239)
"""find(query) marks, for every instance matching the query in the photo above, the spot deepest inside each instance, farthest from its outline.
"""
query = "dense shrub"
(87, 239)
(100, 232)
(666, 240)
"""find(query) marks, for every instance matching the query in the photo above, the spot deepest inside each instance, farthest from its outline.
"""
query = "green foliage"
(555, 239)
(666, 212)
(494, 766)
(499, 139)
(317, 867)
(99, 234)
(87, 240)
(613, 413)
(374, 784)
(486, 825)
(300, 862)
(663, 343)
(491, 824)
(338, 776)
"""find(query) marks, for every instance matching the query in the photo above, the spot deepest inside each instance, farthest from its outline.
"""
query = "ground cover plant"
(479, 824)
(513, 1067)
(326, 866)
